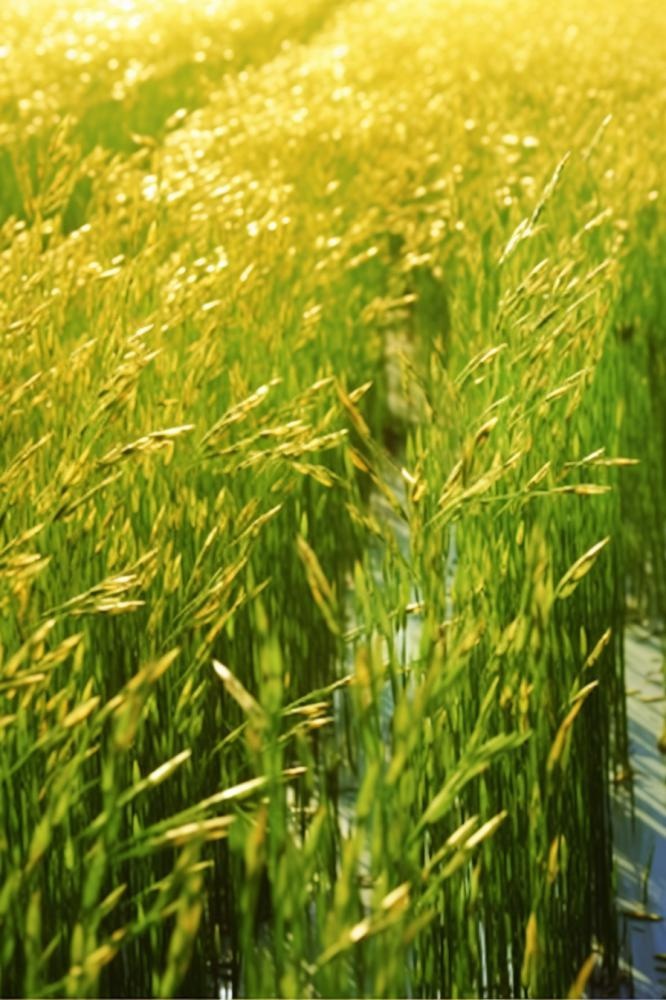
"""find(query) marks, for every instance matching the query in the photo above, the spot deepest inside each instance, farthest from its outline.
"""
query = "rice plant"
(332, 458)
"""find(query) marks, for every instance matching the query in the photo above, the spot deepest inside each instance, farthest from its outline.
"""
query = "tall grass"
(332, 321)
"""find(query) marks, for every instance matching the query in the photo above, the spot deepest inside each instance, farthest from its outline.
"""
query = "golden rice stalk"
(560, 740)
(320, 588)
(579, 569)
(238, 692)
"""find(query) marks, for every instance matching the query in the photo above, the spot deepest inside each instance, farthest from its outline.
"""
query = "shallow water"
(639, 823)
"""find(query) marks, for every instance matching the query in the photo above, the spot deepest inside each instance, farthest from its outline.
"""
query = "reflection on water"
(639, 823)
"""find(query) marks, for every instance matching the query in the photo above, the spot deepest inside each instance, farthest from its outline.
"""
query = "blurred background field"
(332, 474)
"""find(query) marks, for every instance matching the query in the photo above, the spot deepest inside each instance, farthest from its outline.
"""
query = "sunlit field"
(332, 470)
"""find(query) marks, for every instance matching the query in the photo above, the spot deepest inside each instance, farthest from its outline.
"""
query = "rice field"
(332, 469)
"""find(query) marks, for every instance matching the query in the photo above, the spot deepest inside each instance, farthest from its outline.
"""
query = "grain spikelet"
(239, 412)
(579, 569)
(320, 588)
(487, 830)
(559, 743)
(81, 712)
(238, 692)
